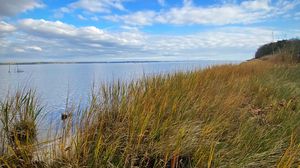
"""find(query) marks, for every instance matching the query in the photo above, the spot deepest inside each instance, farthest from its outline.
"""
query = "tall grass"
(245, 115)
(18, 118)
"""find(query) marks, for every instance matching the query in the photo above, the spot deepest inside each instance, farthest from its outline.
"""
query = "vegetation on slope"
(245, 115)
(281, 51)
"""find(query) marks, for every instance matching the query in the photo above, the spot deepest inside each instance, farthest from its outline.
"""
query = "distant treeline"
(292, 46)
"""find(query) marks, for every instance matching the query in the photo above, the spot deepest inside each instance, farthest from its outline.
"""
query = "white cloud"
(187, 2)
(19, 50)
(91, 7)
(22, 49)
(296, 16)
(161, 2)
(138, 18)
(130, 28)
(222, 38)
(47, 28)
(89, 34)
(95, 6)
(81, 17)
(247, 12)
(13, 7)
(6, 28)
(58, 39)
(31, 37)
(94, 18)
(34, 48)
(257, 5)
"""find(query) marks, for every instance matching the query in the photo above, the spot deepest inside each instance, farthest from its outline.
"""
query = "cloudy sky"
(114, 30)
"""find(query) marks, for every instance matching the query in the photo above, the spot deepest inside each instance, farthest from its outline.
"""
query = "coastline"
(112, 62)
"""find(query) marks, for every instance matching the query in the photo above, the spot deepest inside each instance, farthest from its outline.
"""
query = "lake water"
(54, 82)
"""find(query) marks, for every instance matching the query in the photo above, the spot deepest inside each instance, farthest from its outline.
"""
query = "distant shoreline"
(80, 62)
(101, 62)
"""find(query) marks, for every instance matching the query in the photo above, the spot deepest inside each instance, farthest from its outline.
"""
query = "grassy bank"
(245, 115)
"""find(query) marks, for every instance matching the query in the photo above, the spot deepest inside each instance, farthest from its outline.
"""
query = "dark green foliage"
(277, 47)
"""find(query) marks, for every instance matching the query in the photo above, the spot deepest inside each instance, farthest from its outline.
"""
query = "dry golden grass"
(245, 115)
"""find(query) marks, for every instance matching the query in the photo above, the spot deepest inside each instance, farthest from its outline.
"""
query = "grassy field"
(245, 115)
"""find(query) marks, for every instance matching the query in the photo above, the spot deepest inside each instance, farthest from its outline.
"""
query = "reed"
(19, 115)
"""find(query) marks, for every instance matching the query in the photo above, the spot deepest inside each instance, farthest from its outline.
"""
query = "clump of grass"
(18, 116)
(244, 115)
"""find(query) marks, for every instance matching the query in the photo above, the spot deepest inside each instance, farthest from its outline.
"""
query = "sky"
(126, 30)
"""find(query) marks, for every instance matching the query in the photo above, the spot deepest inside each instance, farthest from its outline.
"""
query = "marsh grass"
(19, 115)
(245, 115)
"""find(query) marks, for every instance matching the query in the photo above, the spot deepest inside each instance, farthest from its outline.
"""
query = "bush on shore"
(284, 50)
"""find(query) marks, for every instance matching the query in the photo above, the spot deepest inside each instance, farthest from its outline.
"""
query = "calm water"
(54, 82)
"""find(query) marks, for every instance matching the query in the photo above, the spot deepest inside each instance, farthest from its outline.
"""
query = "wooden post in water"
(9, 68)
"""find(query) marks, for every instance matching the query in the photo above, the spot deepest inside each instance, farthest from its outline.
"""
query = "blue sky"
(117, 30)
